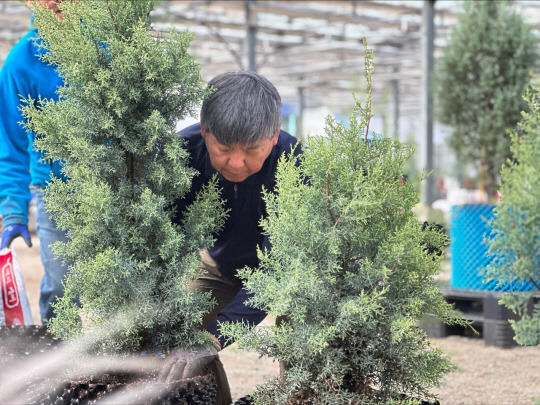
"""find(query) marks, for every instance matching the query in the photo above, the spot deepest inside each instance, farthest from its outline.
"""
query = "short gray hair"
(244, 108)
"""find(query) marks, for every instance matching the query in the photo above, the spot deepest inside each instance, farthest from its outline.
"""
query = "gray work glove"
(182, 364)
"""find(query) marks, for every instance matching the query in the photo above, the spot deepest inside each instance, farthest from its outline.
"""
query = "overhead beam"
(251, 32)
(427, 98)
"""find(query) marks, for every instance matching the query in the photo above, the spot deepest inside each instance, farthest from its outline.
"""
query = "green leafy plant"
(125, 89)
(480, 79)
(514, 244)
(349, 275)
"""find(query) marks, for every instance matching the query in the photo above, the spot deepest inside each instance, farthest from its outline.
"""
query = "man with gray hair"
(240, 140)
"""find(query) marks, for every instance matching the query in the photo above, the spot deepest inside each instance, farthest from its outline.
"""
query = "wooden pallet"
(482, 308)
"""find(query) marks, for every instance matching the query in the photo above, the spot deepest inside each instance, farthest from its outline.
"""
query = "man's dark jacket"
(236, 244)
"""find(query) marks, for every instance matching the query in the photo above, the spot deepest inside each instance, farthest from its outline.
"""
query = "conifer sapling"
(514, 243)
(481, 77)
(126, 87)
(349, 274)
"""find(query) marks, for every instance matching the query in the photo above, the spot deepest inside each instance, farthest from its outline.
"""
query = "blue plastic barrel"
(468, 226)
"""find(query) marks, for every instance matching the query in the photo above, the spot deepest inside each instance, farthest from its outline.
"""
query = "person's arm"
(14, 144)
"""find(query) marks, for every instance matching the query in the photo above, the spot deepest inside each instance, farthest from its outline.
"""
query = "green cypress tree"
(125, 89)
(480, 79)
(349, 274)
(514, 244)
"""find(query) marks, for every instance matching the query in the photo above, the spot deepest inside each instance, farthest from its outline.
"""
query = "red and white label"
(11, 299)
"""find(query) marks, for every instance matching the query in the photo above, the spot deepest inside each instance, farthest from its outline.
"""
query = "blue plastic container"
(468, 226)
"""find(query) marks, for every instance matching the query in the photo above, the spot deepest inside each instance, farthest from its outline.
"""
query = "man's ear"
(275, 138)
(203, 132)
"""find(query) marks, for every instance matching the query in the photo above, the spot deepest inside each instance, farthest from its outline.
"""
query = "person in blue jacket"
(24, 75)
(239, 140)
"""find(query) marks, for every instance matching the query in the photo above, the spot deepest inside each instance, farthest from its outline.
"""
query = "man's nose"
(236, 161)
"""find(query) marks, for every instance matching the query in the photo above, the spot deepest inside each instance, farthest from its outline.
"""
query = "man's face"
(52, 4)
(238, 162)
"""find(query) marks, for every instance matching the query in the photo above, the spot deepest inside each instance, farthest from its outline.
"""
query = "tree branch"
(328, 205)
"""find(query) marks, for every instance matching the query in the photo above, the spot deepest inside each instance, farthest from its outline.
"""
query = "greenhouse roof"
(317, 46)
(313, 48)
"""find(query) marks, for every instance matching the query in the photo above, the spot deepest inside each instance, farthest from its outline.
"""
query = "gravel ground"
(489, 375)
(485, 375)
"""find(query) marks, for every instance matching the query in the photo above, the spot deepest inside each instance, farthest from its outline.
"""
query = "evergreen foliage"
(480, 79)
(514, 244)
(114, 127)
(349, 274)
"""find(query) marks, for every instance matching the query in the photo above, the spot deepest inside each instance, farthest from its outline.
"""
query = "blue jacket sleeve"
(23, 76)
(14, 141)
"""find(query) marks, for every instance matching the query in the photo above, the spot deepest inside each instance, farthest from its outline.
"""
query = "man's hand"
(182, 364)
(11, 232)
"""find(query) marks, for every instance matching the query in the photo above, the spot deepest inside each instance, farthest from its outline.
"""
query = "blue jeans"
(55, 271)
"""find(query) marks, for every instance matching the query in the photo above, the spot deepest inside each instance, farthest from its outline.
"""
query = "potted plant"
(480, 79)
(114, 128)
(349, 275)
(514, 243)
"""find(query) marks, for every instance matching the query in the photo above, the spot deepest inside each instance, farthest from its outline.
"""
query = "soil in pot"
(19, 343)
(196, 391)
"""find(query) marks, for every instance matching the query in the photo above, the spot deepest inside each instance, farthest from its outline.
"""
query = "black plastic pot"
(19, 343)
(247, 400)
